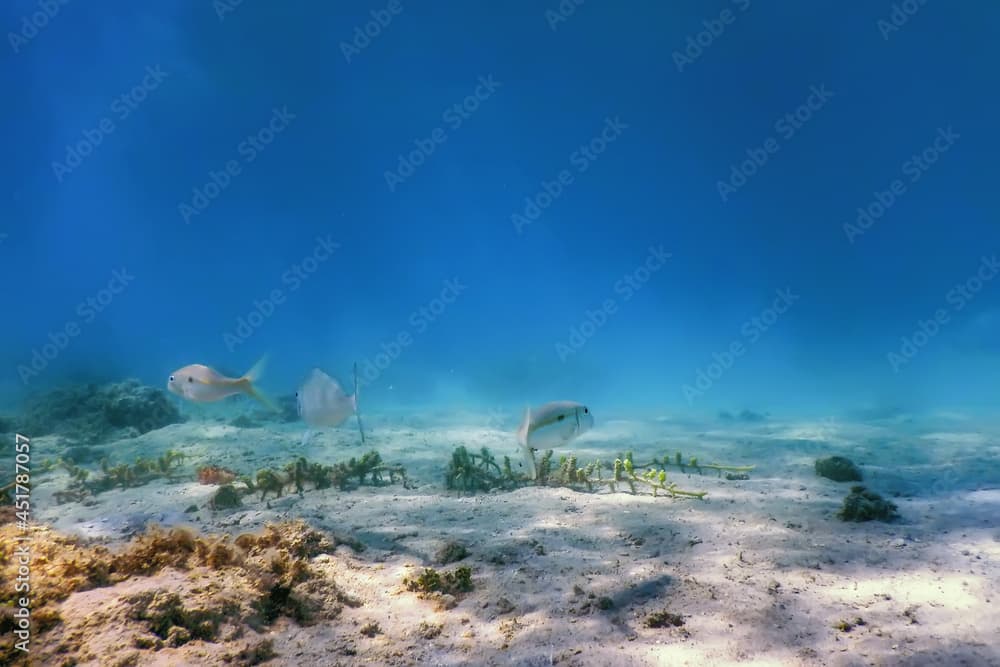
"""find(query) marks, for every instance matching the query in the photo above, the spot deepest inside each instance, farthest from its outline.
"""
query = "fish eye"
(170, 379)
(560, 418)
(190, 379)
(586, 411)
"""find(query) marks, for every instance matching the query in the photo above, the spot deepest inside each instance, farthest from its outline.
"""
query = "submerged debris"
(864, 505)
(838, 468)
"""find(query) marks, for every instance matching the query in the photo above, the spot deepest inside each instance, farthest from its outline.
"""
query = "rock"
(864, 505)
(450, 552)
(838, 468)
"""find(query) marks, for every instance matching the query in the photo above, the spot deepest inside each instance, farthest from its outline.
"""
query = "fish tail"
(254, 392)
(249, 380)
(256, 371)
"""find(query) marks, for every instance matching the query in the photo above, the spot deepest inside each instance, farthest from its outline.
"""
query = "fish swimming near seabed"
(323, 403)
(202, 384)
(551, 425)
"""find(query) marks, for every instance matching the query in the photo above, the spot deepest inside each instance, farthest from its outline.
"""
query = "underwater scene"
(560, 332)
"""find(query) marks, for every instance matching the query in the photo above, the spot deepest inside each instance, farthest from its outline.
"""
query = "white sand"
(761, 570)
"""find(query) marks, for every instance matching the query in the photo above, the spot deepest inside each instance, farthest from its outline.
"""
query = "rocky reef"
(92, 414)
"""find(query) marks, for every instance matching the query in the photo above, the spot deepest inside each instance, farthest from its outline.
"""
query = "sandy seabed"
(761, 572)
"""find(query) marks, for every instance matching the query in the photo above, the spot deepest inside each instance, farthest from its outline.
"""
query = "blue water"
(200, 83)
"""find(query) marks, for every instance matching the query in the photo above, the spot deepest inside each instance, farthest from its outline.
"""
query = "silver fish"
(551, 425)
(323, 403)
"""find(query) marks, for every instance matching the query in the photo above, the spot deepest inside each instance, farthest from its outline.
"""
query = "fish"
(551, 425)
(323, 403)
(202, 384)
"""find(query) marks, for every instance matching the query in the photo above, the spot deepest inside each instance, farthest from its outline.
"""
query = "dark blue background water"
(655, 184)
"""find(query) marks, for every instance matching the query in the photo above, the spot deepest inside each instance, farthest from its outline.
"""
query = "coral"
(430, 580)
(838, 468)
(864, 505)
(98, 413)
(226, 497)
(215, 475)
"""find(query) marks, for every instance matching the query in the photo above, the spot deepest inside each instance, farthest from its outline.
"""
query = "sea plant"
(450, 582)
(471, 472)
(369, 469)
(121, 475)
(474, 472)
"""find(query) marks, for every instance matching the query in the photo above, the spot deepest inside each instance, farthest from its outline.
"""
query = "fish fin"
(522, 440)
(354, 404)
(249, 380)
